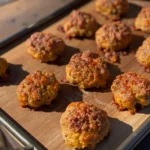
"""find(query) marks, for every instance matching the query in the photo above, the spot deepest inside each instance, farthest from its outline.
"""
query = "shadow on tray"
(66, 55)
(66, 95)
(133, 11)
(136, 43)
(145, 110)
(15, 75)
(119, 131)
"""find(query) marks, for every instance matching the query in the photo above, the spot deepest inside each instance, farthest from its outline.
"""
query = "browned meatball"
(112, 9)
(3, 69)
(45, 46)
(130, 89)
(80, 24)
(113, 36)
(87, 70)
(143, 54)
(37, 89)
(84, 125)
(142, 21)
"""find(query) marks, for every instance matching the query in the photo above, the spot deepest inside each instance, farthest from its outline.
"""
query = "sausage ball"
(37, 89)
(80, 24)
(45, 46)
(143, 54)
(130, 89)
(142, 21)
(87, 70)
(113, 36)
(3, 68)
(113, 9)
(84, 125)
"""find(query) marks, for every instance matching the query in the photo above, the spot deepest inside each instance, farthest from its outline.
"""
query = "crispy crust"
(84, 125)
(80, 24)
(3, 67)
(113, 36)
(87, 70)
(130, 89)
(113, 9)
(142, 21)
(143, 53)
(38, 89)
(45, 46)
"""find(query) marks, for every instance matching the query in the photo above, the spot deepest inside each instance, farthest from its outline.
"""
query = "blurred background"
(17, 16)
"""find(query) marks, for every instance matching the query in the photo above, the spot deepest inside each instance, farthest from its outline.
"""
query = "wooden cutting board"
(44, 124)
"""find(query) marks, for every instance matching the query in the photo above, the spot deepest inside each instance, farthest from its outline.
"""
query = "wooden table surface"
(44, 124)
(19, 15)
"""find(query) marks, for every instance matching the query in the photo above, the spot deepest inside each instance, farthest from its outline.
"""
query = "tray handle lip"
(136, 137)
(27, 140)
(56, 14)
(19, 132)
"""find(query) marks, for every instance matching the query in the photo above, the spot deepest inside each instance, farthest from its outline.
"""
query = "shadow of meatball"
(89, 38)
(135, 9)
(64, 58)
(66, 95)
(16, 75)
(136, 43)
(118, 131)
(83, 38)
(114, 70)
(144, 110)
(101, 90)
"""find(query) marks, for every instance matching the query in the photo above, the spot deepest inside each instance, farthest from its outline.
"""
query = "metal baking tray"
(25, 137)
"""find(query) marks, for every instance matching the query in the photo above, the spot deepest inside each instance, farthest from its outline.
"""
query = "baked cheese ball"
(87, 70)
(112, 9)
(38, 89)
(45, 46)
(3, 68)
(142, 21)
(130, 89)
(113, 36)
(84, 125)
(80, 24)
(143, 54)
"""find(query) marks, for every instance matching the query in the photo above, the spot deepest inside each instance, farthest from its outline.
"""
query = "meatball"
(84, 125)
(143, 54)
(113, 9)
(3, 68)
(37, 89)
(130, 89)
(87, 70)
(80, 24)
(45, 46)
(142, 21)
(113, 36)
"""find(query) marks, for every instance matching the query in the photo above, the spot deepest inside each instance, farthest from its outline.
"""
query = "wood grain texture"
(44, 124)
(22, 14)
